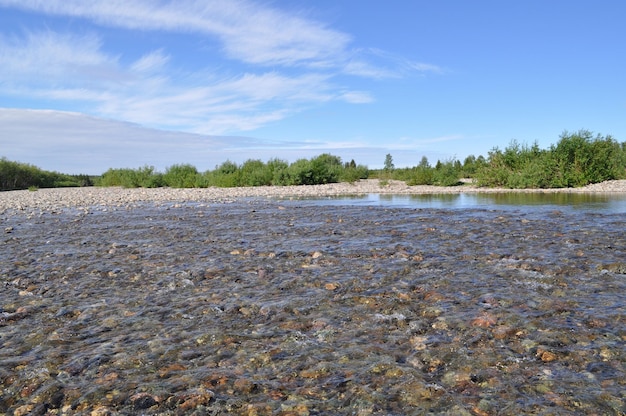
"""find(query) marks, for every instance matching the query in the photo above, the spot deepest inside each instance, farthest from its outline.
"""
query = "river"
(370, 306)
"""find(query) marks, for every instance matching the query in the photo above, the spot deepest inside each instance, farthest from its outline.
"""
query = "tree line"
(16, 175)
(321, 169)
(577, 159)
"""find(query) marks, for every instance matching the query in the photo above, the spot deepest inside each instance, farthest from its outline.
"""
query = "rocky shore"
(264, 307)
(167, 302)
(60, 198)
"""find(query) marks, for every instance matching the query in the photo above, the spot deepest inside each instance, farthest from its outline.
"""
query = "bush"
(300, 172)
(576, 160)
(326, 168)
(447, 174)
(224, 176)
(15, 175)
(144, 177)
(422, 174)
(255, 173)
(353, 173)
(279, 169)
(322, 169)
(581, 159)
(182, 176)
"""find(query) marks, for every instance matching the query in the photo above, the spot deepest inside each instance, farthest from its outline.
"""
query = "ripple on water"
(261, 308)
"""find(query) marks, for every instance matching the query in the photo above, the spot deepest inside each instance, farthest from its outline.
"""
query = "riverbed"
(287, 307)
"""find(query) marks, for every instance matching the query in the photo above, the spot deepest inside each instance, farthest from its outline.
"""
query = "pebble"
(144, 310)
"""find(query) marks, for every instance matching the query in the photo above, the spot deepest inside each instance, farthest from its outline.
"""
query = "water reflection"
(606, 203)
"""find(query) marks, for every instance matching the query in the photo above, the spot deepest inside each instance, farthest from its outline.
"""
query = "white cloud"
(146, 93)
(293, 63)
(150, 62)
(356, 97)
(250, 32)
(52, 56)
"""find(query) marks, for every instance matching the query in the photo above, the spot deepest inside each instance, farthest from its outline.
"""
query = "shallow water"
(592, 202)
(299, 308)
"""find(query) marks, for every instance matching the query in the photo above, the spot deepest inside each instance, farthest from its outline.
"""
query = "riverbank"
(61, 198)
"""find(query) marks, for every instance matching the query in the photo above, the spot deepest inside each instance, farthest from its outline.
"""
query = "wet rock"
(546, 355)
(142, 401)
(442, 312)
(484, 320)
(618, 267)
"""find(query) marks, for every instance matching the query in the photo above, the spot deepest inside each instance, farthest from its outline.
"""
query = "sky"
(90, 85)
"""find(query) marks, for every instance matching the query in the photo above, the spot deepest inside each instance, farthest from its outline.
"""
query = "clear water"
(336, 306)
(508, 200)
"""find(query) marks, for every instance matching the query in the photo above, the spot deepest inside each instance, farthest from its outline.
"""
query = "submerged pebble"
(260, 308)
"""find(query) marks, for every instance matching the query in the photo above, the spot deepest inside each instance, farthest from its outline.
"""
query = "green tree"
(181, 176)
(389, 166)
(422, 174)
(300, 172)
(225, 175)
(447, 173)
(255, 173)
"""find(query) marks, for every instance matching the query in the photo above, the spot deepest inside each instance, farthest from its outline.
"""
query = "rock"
(484, 320)
(142, 401)
(545, 355)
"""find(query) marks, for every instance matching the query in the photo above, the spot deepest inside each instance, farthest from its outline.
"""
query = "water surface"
(606, 203)
(304, 307)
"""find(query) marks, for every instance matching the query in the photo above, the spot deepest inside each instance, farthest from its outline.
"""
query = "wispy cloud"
(74, 69)
(290, 63)
(250, 32)
(53, 56)
(151, 62)
(376, 63)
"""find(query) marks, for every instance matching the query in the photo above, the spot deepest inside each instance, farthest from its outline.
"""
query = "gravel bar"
(60, 198)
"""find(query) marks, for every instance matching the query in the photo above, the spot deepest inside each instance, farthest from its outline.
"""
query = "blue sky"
(91, 85)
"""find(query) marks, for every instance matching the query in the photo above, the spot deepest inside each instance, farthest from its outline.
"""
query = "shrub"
(224, 176)
(255, 173)
(353, 173)
(300, 172)
(15, 175)
(279, 169)
(581, 159)
(576, 160)
(181, 176)
(446, 174)
(422, 174)
(144, 177)
(326, 168)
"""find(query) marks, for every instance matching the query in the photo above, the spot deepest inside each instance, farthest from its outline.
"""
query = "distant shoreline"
(60, 198)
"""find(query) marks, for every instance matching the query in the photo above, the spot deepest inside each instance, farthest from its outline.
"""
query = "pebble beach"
(246, 301)
(59, 198)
